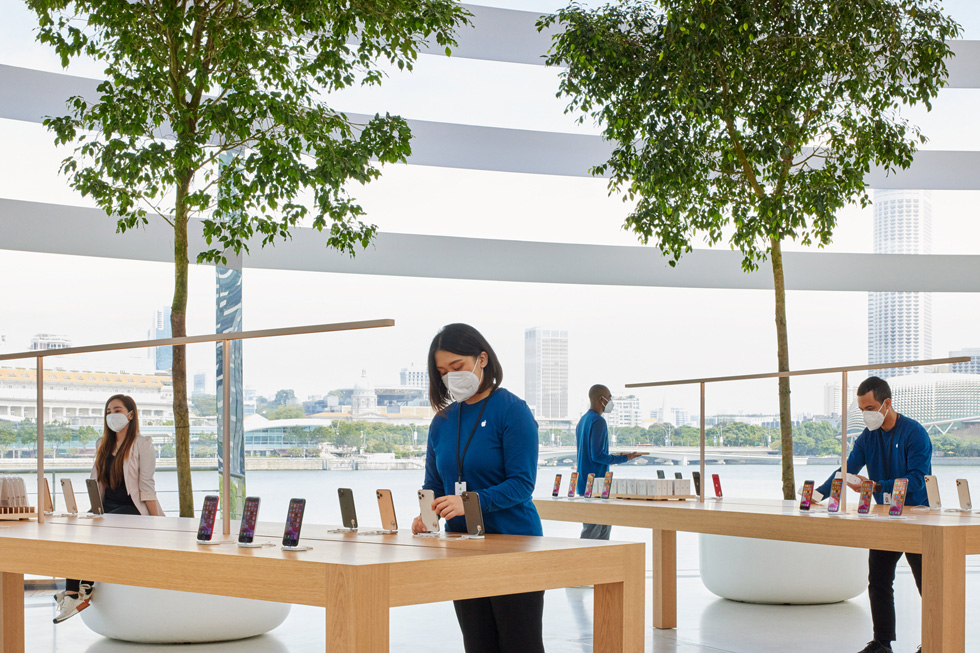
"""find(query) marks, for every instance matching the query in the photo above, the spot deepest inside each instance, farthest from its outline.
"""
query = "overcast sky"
(616, 335)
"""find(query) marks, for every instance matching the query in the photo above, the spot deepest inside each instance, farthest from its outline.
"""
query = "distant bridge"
(550, 456)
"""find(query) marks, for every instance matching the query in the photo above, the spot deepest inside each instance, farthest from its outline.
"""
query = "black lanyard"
(459, 428)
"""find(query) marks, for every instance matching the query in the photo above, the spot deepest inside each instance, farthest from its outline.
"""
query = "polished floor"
(706, 624)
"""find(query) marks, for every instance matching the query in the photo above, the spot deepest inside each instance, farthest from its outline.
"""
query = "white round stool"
(771, 571)
(141, 614)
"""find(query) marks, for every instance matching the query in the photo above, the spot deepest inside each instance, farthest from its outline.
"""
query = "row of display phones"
(607, 484)
(297, 507)
(68, 492)
(864, 501)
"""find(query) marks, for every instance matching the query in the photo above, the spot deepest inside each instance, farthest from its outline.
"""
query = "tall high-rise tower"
(900, 323)
(164, 356)
(546, 372)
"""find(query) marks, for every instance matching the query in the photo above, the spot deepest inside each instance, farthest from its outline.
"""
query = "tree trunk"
(782, 347)
(178, 324)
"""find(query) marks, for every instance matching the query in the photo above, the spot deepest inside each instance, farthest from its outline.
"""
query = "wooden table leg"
(619, 620)
(11, 613)
(357, 609)
(943, 590)
(664, 551)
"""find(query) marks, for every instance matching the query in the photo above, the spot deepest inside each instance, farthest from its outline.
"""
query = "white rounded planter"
(771, 571)
(146, 615)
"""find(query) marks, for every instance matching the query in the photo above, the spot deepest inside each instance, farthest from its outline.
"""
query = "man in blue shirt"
(592, 440)
(891, 446)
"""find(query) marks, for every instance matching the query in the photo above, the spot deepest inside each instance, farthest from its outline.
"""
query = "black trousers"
(881, 579)
(73, 585)
(502, 624)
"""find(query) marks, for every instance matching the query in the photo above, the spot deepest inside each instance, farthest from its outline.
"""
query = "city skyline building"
(546, 372)
(971, 367)
(163, 357)
(900, 323)
(413, 377)
(48, 341)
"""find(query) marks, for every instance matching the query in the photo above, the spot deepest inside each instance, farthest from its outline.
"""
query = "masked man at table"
(891, 446)
(592, 440)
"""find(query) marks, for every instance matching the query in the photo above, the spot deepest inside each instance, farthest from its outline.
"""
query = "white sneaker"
(71, 604)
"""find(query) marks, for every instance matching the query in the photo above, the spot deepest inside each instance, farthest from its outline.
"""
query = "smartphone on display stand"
(898, 496)
(250, 515)
(94, 497)
(660, 474)
(47, 506)
(717, 481)
(932, 493)
(554, 493)
(589, 481)
(348, 515)
(697, 482)
(69, 494)
(294, 524)
(428, 515)
(679, 476)
(833, 505)
(963, 490)
(864, 502)
(572, 485)
(807, 496)
(607, 485)
(473, 514)
(208, 513)
(386, 506)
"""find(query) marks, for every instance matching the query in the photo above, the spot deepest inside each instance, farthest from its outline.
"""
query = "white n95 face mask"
(610, 406)
(462, 384)
(117, 421)
(873, 419)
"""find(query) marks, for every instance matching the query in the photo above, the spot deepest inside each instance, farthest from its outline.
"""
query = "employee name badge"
(460, 488)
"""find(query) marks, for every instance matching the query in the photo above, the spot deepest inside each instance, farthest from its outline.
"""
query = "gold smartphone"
(387, 508)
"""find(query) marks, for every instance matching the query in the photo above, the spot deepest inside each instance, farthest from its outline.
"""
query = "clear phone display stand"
(345, 530)
(91, 516)
(297, 548)
(427, 534)
(206, 542)
(254, 545)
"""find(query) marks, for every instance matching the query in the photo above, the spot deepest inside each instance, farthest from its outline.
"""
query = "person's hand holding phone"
(856, 486)
(449, 506)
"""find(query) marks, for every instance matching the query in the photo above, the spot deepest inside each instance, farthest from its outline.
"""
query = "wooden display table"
(943, 539)
(356, 578)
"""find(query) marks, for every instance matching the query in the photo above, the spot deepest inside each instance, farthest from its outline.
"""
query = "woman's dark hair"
(464, 340)
(112, 477)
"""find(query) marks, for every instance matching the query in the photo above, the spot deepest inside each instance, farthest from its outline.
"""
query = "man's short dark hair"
(597, 391)
(879, 387)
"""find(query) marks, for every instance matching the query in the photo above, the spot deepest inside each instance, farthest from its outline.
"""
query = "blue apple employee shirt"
(501, 463)
(592, 439)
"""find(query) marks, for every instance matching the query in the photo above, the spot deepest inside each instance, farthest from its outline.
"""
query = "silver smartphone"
(429, 516)
(69, 494)
(473, 513)
(963, 489)
(94, 497)
(932, 492)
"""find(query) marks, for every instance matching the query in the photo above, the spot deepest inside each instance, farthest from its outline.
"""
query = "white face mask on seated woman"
(463, 384)
(117, 421)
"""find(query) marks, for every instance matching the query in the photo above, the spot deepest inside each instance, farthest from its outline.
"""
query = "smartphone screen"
(835, 489)
(697, 482)
(588, 485)
(554, 492)
(678, 475)
(717, 482)
(898, 496)
(294, 522)
(572, 485)
(246, 533)
(94, 497)
(208, 513)
(864, 503)
(807, 495)
(660, 474)
(607, 485)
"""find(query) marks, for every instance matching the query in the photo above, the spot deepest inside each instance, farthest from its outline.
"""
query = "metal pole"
(843, 441)
(226, 434)
(704, 481)
(40, 439)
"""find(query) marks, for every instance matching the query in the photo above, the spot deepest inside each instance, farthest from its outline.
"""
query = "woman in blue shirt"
(483, 439)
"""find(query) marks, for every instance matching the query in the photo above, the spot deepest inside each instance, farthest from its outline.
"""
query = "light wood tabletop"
(943, 538)
(356, 577)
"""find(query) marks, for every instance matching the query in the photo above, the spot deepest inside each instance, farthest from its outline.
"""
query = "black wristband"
(878, 487)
